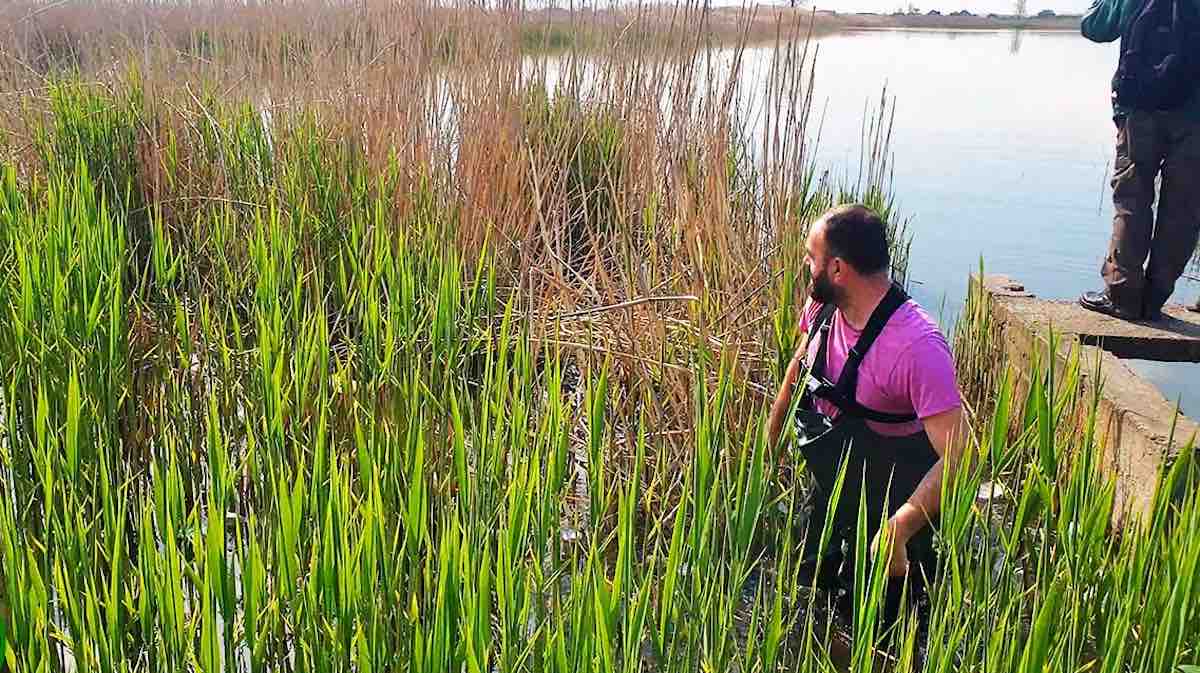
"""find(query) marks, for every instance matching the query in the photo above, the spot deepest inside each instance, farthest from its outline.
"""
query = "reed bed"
(359, 338)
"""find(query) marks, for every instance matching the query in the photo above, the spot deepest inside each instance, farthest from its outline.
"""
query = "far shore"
(562, 28)
(951, 21)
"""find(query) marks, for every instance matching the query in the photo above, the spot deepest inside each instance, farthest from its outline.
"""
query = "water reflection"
(1014, 46)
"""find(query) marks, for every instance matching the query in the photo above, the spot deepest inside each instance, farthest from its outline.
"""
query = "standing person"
(880, 387)
(1156, 107)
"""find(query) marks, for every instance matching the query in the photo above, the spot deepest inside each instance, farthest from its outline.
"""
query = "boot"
(1101, 302)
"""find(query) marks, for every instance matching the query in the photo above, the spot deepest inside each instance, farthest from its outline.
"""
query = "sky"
(975, 6)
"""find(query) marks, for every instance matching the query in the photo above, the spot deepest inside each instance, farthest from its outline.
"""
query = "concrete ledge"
(1139, 429)
(1175, 338)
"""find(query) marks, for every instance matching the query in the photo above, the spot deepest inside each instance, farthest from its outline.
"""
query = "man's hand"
(893, 535)
(947, 432)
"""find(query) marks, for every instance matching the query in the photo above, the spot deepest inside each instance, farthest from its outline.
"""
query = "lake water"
(1003, 146)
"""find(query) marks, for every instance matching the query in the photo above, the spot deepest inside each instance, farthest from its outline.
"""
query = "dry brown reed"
(631, 212)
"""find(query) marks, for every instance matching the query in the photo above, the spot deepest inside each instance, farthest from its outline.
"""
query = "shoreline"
(562, 28)
(951, 22)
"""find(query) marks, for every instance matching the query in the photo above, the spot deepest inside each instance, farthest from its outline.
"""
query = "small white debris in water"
(991, 490)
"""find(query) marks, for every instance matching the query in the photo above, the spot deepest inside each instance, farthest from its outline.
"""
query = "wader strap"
(842, 394)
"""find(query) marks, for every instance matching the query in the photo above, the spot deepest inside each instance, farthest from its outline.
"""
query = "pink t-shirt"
(908, 370)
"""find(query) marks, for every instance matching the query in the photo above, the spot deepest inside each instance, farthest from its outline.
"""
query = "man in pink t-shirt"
(902, 396)
(909, 369)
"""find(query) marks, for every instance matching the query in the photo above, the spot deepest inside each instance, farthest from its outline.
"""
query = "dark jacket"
(1105, 22)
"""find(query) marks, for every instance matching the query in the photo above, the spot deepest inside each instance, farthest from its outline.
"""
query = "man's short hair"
(858, 235)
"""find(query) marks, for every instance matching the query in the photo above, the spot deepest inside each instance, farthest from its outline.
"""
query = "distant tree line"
(1020, 12)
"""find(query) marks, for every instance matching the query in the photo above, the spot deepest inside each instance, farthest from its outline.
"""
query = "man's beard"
(823, 291)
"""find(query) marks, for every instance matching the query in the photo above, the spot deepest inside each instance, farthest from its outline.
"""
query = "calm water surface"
(1003, 145)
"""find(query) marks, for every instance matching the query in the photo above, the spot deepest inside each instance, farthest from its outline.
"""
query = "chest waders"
(883, 469)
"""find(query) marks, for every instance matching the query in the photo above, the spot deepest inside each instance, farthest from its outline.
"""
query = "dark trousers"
(882, 472)
(1153, 145)
(834, 570)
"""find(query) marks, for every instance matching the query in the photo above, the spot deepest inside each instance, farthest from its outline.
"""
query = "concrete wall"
(1139, 430)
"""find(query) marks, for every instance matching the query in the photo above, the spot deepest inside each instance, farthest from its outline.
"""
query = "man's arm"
(947, 432)
(783, 400)
(1102, 23)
